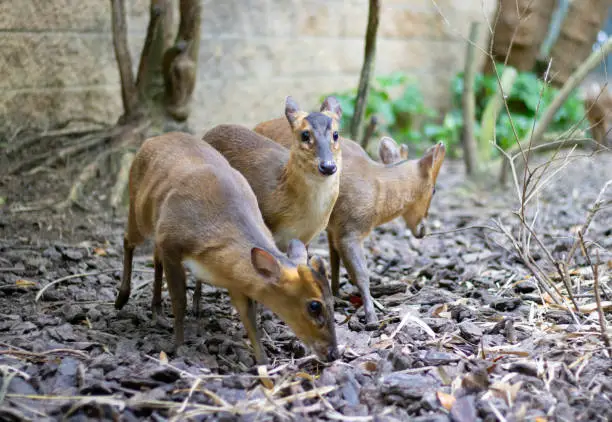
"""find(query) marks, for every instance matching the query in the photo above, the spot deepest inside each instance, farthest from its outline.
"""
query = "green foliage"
(395, 100)
(398, 103)
(529, 97)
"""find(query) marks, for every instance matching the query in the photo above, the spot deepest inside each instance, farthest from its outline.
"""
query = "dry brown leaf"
(438, 310)
(446, 400)
(506, 391)
(163, 357)
(100, 251)
(305, 376)
(369, 366)
(262, 371)
(25, 283)
(383, 344)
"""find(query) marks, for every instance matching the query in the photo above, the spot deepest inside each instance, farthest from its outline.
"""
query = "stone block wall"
(57, 60)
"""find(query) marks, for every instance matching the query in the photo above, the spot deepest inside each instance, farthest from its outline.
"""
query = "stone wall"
(57, 61)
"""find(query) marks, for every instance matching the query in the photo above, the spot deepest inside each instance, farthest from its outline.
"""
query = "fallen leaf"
(369, 366)
(25, 283)
(438, 310)
(305, 376)
(506, 391)
(163, 357)
(100, 252)
(540, 419)
(383, 344)
(446, 400)
(262, 371)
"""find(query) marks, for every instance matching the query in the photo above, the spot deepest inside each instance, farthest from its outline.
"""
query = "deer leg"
(126, 281)
(176, 281)
(131, 238)
(334, 263)
(247, 309)
(156, 302)
(197, 295)
(353, 256)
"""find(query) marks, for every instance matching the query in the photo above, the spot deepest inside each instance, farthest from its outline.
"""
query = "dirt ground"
(466, 334)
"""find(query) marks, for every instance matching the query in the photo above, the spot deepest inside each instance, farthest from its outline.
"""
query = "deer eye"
(305, 136)
(335, 135)
(315, 308)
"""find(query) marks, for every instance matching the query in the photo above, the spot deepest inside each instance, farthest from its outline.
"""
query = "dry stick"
(129, 93)
(595, 269)
(469, 103)
(367, 69)
(590, 215)
(568, 87)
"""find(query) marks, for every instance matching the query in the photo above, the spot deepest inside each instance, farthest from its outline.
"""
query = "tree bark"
(129, 93)
(367, 69)
(578, 33)
(180, 62)
(469, 104)
(521, 28)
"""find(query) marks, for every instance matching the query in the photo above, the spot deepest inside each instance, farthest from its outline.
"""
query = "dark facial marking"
(321, 128)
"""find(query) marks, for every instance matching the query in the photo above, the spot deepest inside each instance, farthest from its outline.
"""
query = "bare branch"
(367, 68)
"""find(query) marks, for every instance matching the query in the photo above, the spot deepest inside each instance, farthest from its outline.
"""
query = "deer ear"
(404, 152)
(332, 105)
(265, 264)
(318, 265)
(296, 251)
(432, 160)
(292, 110)
(388, 151)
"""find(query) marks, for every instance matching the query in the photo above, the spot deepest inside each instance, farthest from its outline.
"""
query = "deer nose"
(332, 354)
(327, 168)
(421, 231)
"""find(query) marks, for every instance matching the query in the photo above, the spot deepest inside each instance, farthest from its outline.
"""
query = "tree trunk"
(521, 27)
(367, 69)
(577, 35)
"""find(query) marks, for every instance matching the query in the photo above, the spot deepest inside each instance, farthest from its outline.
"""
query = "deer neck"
(397, 187)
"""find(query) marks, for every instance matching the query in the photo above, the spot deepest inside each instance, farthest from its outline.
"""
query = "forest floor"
(466, 333)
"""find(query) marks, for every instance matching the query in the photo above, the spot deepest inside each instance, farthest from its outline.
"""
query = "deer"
(598, 104)
(371, 194)
(296, 185)
(203, 215)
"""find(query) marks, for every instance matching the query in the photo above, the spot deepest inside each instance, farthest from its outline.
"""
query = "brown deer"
(371, 194)
(203, 213)
(297, 186)
(598, 104)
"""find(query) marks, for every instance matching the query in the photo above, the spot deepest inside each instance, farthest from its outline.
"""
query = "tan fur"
(371, 194)
(203, 213)
(598, 104)
(294, 199)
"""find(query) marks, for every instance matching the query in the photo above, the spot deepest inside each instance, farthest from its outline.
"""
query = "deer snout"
(327, 168)
(333, 354)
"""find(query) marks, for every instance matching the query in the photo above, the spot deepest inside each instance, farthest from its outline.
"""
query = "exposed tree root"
(118, 191)
(122, 138)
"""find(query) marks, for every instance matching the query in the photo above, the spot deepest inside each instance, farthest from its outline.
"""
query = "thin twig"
(602, 318)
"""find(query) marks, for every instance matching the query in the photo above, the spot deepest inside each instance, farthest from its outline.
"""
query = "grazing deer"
(371, 194)
(203, 213)
(598, 104)
(296, 186)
